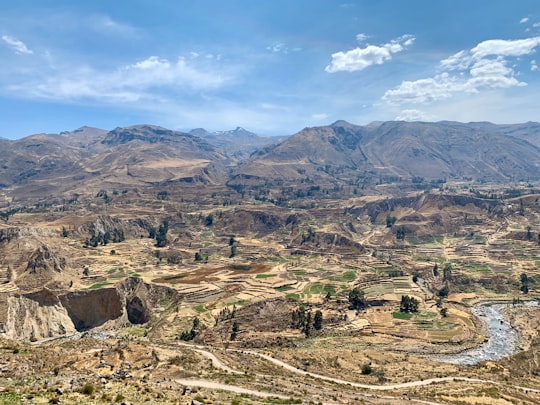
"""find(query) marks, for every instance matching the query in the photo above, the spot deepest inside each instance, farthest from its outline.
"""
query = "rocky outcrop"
(37, 316)
(89, 309)
(45, 314)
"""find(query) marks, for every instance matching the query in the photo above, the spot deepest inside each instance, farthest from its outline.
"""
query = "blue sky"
(272, 67)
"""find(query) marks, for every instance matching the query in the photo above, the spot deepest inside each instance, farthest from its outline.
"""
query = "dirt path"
(218, 364)
(227, 387)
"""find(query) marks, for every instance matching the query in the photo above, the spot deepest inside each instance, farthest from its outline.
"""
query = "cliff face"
(37, 316)
(44, 314)
(89, 309)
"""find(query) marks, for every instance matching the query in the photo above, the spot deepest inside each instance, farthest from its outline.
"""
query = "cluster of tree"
(199, 257)
(525, 281)
(233, 246)
(400, 233)
(103, 194)
(408, 304)
(160, 235)
(303, 319)
(390, 221)
(163, 195)
(226, 314)
(103, 238)
(357, 299)
(6, 214)
(190, 334)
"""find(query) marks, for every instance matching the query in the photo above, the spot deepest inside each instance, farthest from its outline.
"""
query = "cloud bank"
(489, 65)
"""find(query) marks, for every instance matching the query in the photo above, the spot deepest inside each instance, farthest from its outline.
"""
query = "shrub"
(87, 389)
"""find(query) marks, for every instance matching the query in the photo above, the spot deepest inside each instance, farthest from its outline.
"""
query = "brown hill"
(45, 164)
(401, 150)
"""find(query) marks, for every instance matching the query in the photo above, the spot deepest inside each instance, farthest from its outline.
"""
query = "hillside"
(44, 164)
(353, 154)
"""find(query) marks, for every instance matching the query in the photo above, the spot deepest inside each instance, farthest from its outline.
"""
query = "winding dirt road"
(240, 390)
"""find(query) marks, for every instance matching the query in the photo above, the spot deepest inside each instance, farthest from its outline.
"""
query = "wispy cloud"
(486, 66)
(104, 23)
(361, 58)
(414, 115)
(280, 47)
(524, 20)
(152, 79)
(361, 37)
(17, 45)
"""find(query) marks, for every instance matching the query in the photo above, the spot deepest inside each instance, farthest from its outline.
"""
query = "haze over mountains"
(341, 153)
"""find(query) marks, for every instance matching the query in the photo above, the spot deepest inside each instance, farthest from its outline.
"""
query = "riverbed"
(502, 339)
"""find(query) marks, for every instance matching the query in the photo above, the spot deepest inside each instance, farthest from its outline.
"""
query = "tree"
(235, 329)
(408, 304)
(318, 320)
(444, 312)
(390, 221)
(447, 271)
(161, 235)
(357, 299)
(443, 292)
(400, 234)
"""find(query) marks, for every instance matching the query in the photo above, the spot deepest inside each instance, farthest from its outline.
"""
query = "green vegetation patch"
(200, 309)
(402, 315)
(537, 263)
(318, 288)
(299, 273)
(9, 398)
(265, 275)
(293, 296)
(98, 286)
(346, 277)
(422, 316)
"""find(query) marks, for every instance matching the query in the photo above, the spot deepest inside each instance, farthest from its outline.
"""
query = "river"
(502, 338)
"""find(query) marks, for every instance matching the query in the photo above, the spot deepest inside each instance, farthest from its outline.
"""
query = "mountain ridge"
(339, 153)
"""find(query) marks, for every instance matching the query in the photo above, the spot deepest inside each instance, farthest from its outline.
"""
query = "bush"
(87, 389)
(367, 369)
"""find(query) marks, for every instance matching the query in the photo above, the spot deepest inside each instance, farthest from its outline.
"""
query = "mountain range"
(341, 153)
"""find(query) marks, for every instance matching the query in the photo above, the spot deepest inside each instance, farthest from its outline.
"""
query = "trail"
(388, 387)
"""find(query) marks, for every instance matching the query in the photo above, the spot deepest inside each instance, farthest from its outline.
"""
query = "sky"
(272, 67)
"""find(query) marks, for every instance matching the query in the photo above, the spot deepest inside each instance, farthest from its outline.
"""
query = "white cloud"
(486, 66)
(501, 47)
(279, 47)
(361, 58)
(427, 90)
(536, 24)
(153, 78)
(414, 115)
(524, 20)
(17, 45)
(319, 117)
(361, 37)
(534, 66)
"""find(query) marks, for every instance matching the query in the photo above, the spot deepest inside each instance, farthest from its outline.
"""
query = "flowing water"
(502, 338)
